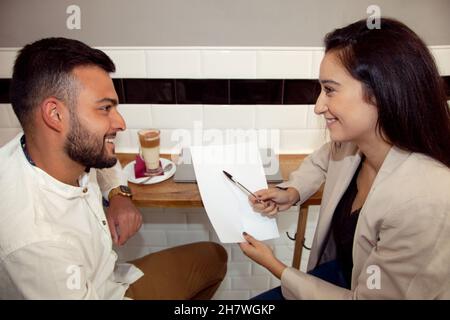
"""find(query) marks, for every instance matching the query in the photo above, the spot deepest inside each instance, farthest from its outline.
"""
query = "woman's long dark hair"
(399, 74)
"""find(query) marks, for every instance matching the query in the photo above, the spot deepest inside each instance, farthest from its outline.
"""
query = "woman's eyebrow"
(325, 81)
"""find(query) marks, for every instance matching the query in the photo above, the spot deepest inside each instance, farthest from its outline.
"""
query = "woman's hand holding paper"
(262, 254)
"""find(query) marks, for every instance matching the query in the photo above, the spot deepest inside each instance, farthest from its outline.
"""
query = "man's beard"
(85, 148)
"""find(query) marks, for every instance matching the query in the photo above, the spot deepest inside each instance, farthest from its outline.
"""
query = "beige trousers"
(192, 271)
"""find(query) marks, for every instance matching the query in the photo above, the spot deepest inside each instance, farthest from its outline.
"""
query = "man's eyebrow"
(325, 81)
(114, 102)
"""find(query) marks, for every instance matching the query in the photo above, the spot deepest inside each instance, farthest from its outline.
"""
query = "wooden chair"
(301, 227)
(300, 236)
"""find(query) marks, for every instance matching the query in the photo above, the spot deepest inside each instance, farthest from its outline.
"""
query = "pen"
(229, 176)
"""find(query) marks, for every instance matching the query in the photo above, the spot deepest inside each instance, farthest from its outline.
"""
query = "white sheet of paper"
(226, 204)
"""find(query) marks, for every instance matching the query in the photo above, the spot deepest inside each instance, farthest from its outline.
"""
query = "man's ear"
(52, 111)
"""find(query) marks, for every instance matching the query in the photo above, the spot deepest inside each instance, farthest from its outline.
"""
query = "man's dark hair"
(43, 69)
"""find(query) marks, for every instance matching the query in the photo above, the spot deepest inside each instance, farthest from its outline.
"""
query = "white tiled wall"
(217, 63)
(232, 117)
(220, 63)
(129, 63)
(7, 57)
(9, 125)
(287, 128)
(176, 116)
(442, 57)
(297, 128)
(284, 64)
(174, 64)
(281, 117)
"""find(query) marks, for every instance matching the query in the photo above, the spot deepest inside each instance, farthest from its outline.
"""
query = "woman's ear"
(370, 97)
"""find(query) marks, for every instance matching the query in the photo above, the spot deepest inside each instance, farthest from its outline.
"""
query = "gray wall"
(210, 22)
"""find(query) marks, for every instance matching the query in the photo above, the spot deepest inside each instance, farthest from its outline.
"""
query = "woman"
(384, 223)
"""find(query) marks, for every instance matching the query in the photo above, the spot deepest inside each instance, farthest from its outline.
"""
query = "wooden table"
(185, 195)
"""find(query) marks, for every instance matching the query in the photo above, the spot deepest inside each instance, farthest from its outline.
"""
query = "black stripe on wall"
(199, 91)
(4, 90)
(447, 85)
(256, 91)
(211, 91)
(157, 91)
(306, 91)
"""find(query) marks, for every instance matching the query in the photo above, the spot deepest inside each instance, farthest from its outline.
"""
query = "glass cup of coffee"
(149, 149)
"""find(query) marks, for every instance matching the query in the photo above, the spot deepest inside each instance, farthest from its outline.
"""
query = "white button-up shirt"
(54, 238)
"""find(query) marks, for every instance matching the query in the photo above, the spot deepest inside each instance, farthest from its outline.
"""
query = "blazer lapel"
(347, 167)
(393, 160)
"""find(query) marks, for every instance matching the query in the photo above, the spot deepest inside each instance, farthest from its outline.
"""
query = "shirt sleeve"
(49, 270)
(110, 178)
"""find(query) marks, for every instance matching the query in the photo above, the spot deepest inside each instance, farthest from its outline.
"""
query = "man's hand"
(124, 219)
(260, 253)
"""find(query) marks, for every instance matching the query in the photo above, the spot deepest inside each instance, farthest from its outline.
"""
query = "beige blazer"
(401, 248)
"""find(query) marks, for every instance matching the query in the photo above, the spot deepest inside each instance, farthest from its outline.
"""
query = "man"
(55, 241)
